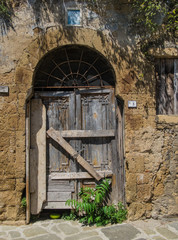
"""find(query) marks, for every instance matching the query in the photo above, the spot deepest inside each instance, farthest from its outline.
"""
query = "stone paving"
(72, 230)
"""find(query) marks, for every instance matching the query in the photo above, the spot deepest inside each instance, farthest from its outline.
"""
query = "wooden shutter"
(167, 86)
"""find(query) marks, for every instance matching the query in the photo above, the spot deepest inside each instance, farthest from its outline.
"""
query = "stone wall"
(151, 189)
(151, 141)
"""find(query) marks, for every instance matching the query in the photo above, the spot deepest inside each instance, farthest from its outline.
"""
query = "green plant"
(4, 9)
(24, 202)
(71, 216)
(92, 207)
(151, 15)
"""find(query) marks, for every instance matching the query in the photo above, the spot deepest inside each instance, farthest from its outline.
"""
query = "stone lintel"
(170, 119)
(163, 52)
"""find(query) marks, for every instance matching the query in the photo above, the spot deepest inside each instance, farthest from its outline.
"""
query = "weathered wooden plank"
(54, 150)
(79, 175)
(53, 94)
(27, 139)
(176, 86)
(58, 118)
(120, 149)
(162, 103)
(60, 186)
(169, 80)
(71, 125)
(55, 205)
(58, 196)
(166, 86)
(67, 147)
(38, 155)
(87, 133)
(94, 91)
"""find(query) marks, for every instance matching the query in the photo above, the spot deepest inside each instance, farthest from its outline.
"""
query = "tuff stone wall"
(151, 141)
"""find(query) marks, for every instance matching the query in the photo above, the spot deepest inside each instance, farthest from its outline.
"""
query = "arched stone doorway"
(74, 103)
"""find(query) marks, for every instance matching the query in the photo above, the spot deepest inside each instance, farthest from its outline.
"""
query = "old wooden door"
(86, 119)
(75, 135)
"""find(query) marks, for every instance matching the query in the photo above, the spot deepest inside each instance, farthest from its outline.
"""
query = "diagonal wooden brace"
(56, 136)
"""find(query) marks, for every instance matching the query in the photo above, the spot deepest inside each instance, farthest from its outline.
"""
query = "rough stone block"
(21, 100)
(158, 190)
(13, 122)
(11, 213)
(143, 178)
(24, 76)
(136, 210)
(134, 122)
(20, 155)
(20, 185)
(144, 192)
(131, 182)
(136, 163)
(21, 125)
(8, 184)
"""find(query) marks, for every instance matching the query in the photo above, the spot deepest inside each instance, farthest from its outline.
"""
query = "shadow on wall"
(44, 8)
(6, 14)
(123, 42)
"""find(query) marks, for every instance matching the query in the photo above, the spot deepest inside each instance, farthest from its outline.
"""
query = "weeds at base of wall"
(24, 202)
(92, 207)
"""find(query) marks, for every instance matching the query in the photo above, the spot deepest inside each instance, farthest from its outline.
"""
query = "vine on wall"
(149, 16)
(152, 15)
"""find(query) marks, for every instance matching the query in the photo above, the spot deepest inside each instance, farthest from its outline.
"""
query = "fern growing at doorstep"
(92, 208)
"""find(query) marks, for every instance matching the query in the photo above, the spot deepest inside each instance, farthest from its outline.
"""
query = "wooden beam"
(58, 196)
(87, 133)
(56, 205)
(27, 138)
(78, 175)
(37, 164)
(68, 148)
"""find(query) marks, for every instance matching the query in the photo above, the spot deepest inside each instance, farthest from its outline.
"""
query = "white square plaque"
(132, 104)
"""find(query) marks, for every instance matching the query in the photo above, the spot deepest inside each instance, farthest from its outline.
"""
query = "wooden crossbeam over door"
(56, 135)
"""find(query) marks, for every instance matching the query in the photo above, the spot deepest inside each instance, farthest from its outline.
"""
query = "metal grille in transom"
(74, 66)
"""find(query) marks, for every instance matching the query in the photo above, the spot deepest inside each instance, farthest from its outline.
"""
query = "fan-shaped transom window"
(74, 67)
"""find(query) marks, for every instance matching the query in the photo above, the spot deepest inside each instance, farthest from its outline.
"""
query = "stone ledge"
(163, 52)
(13, 223)
(168, 119)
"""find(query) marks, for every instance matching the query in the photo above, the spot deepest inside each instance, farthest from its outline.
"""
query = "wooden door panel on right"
(96, 115)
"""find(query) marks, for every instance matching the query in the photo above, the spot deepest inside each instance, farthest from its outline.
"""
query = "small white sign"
(132, 104)
(4, 90)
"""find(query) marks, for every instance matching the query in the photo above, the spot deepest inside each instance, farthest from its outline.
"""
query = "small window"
(167, 86)
(73, 17)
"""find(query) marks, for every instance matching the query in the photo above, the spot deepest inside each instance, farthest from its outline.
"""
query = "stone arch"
(73, 66)
(57, 37)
